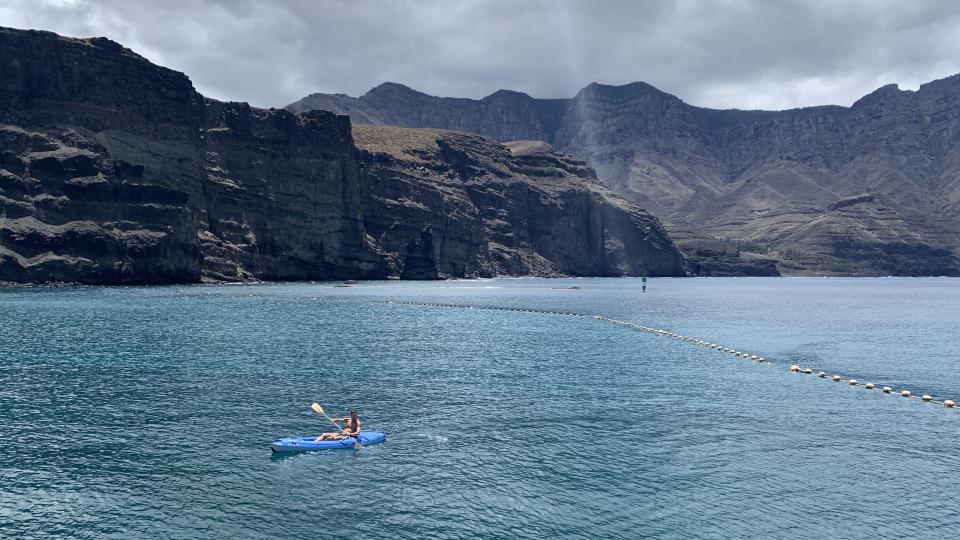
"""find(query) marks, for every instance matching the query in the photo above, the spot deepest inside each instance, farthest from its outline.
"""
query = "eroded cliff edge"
(115, 170)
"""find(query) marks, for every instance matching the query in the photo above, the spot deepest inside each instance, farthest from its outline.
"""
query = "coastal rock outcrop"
(152, 183)
(481, 208)
(69, 213)
(115, 170)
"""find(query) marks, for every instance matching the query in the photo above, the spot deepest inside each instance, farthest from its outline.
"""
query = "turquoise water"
(148, 412)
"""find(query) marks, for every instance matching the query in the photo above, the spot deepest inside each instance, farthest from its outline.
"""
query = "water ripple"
(147, 412)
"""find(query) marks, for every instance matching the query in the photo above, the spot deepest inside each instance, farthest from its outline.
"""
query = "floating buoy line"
(488, 308)
(793, 368)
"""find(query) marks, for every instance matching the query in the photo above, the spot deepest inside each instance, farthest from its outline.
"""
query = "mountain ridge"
(746, 177)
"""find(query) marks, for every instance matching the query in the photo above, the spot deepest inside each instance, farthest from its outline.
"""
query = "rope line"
(489, 308)
(793, 368)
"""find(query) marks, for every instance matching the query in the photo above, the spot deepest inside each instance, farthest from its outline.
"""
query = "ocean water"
(148, 412)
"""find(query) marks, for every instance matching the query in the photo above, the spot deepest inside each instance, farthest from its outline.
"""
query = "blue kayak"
(309, 444)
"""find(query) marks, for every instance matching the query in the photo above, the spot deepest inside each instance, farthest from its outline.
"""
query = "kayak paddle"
(318, 409)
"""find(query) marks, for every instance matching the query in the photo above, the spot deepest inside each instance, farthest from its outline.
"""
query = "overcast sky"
(739, 53)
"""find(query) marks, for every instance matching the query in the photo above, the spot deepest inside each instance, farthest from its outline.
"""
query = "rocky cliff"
(481, 208)
(115, 170)
(867, 189)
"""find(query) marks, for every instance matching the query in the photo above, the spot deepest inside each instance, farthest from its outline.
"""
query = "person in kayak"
(352, 428)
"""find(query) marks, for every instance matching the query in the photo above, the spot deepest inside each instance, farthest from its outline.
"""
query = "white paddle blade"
(317, 408)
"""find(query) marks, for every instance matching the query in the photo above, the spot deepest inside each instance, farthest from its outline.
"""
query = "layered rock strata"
(481, 208)
(115, 170)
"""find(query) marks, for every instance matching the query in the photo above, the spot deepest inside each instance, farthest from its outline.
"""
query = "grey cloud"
(735, 53)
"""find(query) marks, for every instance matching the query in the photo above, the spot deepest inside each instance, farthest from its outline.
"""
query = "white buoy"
(869, 386)
(808, 371)
(836, 377)
(754, 357)
(887, 389)
(905, 393)
(821, 374)
(949, 403)
(926, 397)
(794, 367)
(852, 382)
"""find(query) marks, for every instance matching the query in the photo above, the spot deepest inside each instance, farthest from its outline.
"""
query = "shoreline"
(68, 284)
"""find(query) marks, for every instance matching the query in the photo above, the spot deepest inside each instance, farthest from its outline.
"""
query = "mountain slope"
(750, 179)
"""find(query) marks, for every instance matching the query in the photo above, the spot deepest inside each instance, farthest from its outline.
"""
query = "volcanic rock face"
(122, 173)
(481, 208)
(69, 213)
(69, 209)
(281, 197)
(114, 170)
(745, 191)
